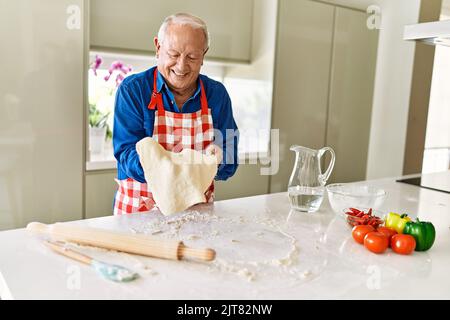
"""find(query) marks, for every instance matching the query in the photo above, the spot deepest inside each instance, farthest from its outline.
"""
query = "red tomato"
(403, 243)
(376, 242)
(359, 232)
(388, 232)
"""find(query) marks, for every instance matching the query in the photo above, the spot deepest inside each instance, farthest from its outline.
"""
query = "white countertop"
(255, 238)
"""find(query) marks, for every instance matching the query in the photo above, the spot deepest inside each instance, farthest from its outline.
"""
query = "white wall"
(445, 12)
(392, 90)
(438, 126)
(437, 143)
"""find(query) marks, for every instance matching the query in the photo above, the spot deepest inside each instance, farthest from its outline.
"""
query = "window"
(252, 111)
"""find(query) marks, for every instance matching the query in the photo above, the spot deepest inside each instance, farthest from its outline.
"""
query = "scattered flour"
(249, 270)
(193, 237)
(224, 266)
(215, 233)
(145, 269)
(306, 274)
(292, 256)
(171, 226)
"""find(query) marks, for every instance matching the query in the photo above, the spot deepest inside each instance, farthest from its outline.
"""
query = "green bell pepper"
(423, 232)
(396, 221)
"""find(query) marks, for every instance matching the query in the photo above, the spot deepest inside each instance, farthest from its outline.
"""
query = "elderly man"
(172, 103)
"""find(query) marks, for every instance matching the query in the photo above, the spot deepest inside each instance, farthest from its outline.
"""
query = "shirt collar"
(161, 83)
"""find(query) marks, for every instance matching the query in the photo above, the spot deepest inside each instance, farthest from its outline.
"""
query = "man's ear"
(204, 53)
(157, 46)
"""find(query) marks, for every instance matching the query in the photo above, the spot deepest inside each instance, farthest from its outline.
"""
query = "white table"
(252, 236)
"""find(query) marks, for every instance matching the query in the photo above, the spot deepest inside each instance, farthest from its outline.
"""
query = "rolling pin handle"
(200, 254)
(37, 227)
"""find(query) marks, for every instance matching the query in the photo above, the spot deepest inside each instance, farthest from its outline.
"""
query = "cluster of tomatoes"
(379, 239)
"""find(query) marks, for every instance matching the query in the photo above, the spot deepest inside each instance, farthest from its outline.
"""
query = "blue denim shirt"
(133, 121)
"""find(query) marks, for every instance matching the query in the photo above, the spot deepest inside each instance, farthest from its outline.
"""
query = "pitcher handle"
(324, 176)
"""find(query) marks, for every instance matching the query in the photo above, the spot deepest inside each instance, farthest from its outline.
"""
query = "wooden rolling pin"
(132, 243)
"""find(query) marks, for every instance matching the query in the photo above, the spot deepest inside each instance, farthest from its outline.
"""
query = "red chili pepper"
(357, 217)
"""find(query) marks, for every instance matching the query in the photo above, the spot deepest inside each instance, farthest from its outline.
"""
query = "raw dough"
(177, 180)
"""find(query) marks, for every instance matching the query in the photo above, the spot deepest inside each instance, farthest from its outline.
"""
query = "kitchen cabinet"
(41, 111)
(324, 76)
(131, 25)
(99, 193)
(302, 67)
(350, 94)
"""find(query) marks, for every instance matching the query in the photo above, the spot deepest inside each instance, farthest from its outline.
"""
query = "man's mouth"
(179, 74)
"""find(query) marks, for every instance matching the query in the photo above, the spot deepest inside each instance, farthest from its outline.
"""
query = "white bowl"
(347, 195)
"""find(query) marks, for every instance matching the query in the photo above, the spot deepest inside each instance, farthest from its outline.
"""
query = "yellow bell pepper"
(396, 221)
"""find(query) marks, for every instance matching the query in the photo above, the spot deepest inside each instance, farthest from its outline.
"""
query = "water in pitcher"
(306, 198)
(307, 182)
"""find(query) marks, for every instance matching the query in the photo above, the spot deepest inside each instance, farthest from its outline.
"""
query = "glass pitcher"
(307, 182)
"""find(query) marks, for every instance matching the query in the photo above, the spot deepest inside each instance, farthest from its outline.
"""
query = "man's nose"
(182, 63)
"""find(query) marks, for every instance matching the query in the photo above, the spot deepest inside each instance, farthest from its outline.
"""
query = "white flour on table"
(205, 226)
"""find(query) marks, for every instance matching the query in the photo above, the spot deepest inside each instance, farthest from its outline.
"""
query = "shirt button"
(171, 102)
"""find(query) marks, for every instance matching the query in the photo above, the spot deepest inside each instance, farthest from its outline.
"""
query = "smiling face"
(180, 56)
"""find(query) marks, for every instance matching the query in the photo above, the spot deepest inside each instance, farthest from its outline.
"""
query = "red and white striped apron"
(174, 131)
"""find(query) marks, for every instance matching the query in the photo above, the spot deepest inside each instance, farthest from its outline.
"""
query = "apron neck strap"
(156, 99)
(203, 100)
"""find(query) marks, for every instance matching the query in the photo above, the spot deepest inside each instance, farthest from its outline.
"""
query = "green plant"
(98, 119)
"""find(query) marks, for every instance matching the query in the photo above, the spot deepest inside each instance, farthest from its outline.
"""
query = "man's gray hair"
(184, 19)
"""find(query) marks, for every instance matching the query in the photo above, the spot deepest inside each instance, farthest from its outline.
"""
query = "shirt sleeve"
(128, 130)
(228, 141)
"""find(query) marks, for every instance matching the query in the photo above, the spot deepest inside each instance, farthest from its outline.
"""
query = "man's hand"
(212, 149)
